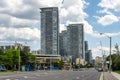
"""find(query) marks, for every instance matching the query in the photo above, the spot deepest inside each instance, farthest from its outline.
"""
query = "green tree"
(89, 65)
(8, 58)
(11, 58)
(115, 61)
(58, 63)
(1, 57)
(31, 58)
(15, 58)
(24, 57)
(117, 49)
(115, 58)
(1, 51)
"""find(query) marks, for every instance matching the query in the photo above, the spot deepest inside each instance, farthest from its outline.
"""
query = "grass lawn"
(118, 71)
(6, 72)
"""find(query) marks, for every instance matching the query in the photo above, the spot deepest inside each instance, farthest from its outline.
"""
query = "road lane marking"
(7, 79)
(77, 78)
(101, 76)
(32, 77)
(82, 75)
(37, 75)
(45, 73)
(56, 77)
(25, 77)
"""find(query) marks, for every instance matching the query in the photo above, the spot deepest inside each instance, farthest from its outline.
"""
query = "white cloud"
(88, 28)
(108, 19)
(104, 11)
(109, 8)
(98, 51)
(62, 27)
(111, 34)
(13, 7)
(63, 12)
(110, 4)
(73, 11)
(49, 3)
(22, 22)
(10, 21)
(19, 33)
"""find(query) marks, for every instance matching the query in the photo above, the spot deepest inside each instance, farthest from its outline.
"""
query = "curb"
(101, 76)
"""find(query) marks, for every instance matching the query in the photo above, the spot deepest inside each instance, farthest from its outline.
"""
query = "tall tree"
(115, 61)
(11, 58)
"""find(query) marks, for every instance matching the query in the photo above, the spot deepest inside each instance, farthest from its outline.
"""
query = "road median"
(101, 76)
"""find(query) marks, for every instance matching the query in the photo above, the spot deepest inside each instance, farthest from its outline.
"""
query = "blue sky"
(20, 21)
(93, 9)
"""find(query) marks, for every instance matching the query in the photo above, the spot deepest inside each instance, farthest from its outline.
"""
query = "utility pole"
(18, 46)
(110, 61)
(19, 59)
(110, 56)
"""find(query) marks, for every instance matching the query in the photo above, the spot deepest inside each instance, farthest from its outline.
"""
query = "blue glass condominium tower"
(76, 41)
(49, 30)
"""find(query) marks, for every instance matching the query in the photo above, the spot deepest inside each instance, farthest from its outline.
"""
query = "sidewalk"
(116, 75)
(110, 76)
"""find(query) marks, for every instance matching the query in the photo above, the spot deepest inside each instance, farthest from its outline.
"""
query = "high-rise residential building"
(76, 41)
(36, 52)
(88, 56)
(6, 47)
(49, 30)
(86, 45)
(16, 46)
(88, 53)
(63, 43)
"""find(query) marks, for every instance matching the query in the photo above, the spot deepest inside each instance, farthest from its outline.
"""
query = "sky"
(20, 21)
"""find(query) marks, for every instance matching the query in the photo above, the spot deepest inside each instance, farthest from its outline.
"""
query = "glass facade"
(76, 41)
(49, 30)
(63, 43)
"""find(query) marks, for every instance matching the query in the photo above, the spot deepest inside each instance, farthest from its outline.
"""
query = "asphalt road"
(89, 74)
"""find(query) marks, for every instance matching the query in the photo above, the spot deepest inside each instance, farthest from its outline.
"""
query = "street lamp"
(110, 61)
(18, 47)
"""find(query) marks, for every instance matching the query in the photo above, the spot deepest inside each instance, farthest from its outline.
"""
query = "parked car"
(2, 68)
(100, 69)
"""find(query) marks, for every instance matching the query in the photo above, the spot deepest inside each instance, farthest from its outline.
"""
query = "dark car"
(2, 68)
